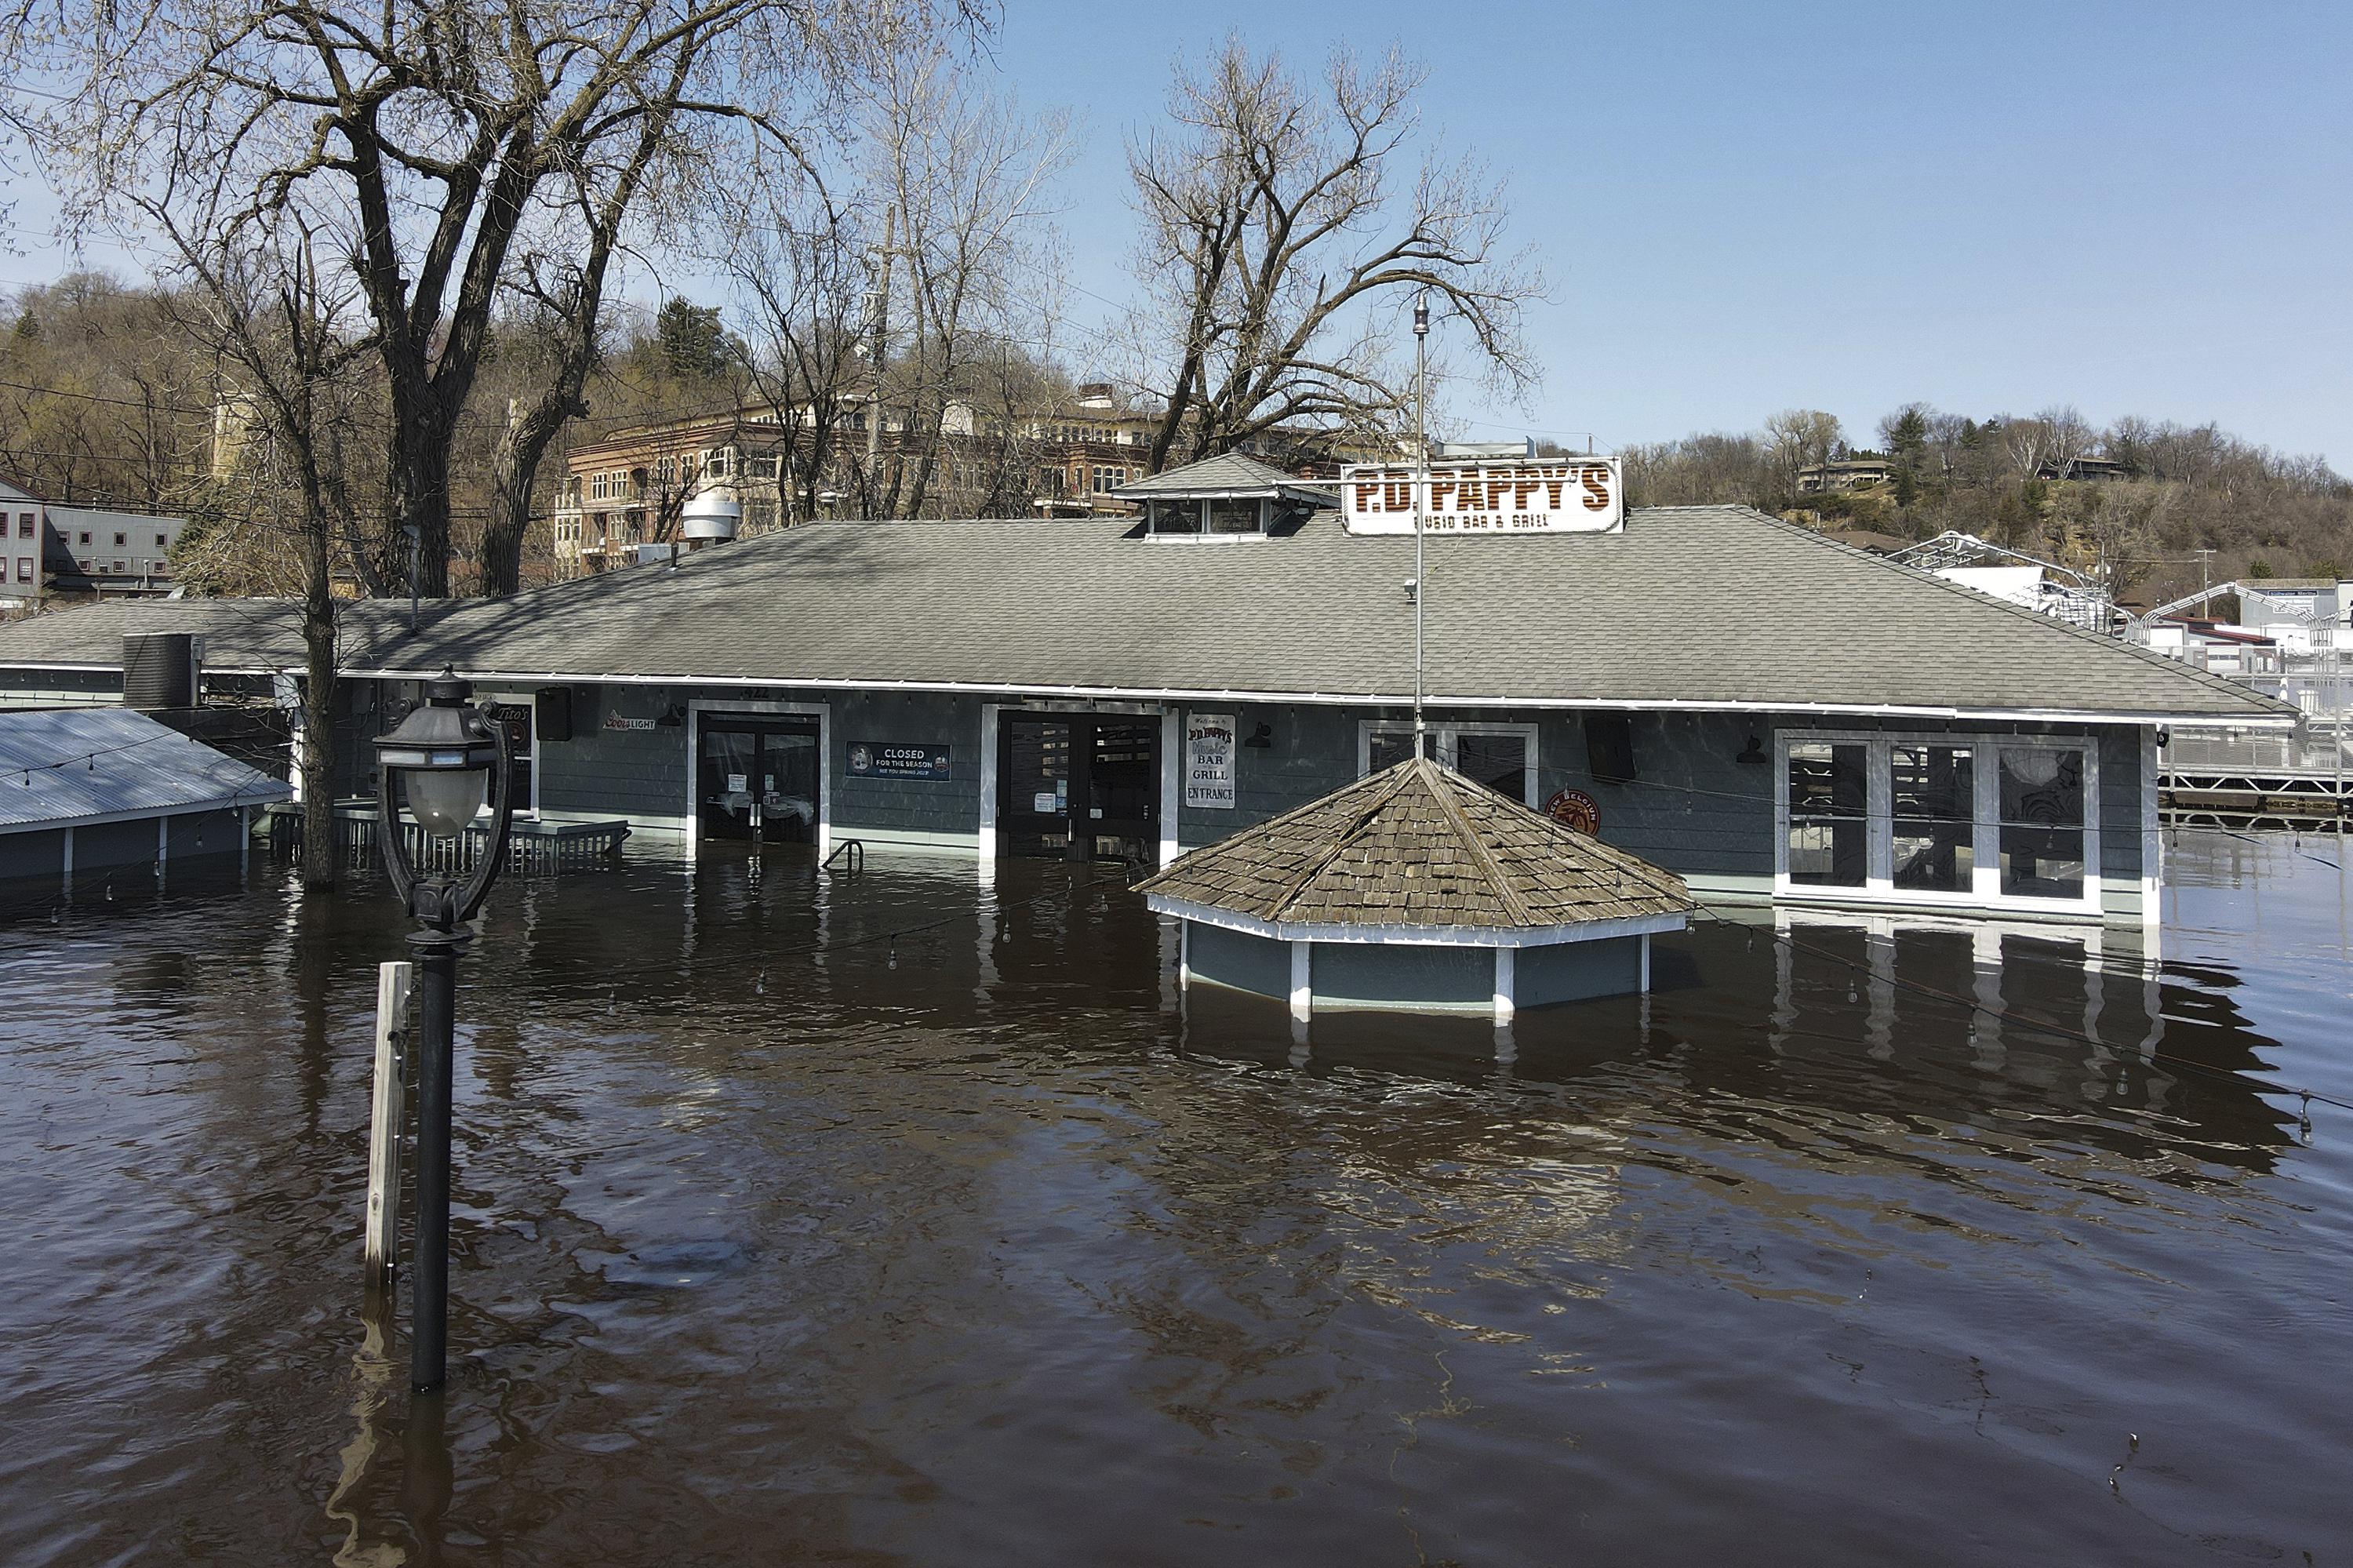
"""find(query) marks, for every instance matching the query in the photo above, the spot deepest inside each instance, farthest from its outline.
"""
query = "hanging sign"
(622, 722)
(877, 759)
(1539, 495)
(1209, 761)
(1575, 808)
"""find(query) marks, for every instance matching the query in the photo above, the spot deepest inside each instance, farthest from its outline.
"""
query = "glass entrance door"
(1078, 786)
(756, 778)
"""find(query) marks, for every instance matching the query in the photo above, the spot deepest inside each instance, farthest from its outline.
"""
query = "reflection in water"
(781, 1237)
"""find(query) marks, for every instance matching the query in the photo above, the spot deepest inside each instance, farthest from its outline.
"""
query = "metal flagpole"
(1420, 496)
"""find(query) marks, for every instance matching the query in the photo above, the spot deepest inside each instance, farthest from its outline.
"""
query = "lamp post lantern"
(447, 759)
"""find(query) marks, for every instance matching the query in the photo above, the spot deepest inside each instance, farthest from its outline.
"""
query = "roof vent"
(711, 516)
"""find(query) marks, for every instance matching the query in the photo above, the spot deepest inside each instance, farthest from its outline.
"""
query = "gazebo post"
(1646, 963)
(1302, 984)
(1506, 980)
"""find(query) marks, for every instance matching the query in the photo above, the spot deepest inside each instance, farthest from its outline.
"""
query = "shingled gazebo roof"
(1418, 845)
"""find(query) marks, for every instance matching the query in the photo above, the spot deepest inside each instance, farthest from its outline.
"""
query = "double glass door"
(1081, 785)
(756, 778)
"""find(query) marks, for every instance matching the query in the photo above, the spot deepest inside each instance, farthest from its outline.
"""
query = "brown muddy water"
(779, 1245)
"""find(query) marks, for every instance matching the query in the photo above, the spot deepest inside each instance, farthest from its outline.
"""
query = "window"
(515, 714)
(161, 543)
(23, 568)
(1827, 842)
(2002, 821)
(121, 567)
(2041, 824)
(27, 524)
(120, 541)
(84, 537)
(1502, 757)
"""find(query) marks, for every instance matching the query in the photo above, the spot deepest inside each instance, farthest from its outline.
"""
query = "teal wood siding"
(915, 808)
(1573, 971)
(1371, 972)
(633, 774)
(33, 857)
(1239, 959)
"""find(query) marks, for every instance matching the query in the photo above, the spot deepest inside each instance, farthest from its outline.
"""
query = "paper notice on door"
(738, 782)
(1044, 804)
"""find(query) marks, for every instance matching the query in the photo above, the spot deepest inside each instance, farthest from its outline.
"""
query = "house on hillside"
(52, 549)
(1812, 726)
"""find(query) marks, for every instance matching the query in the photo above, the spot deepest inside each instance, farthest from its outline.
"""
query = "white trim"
(2152, 838)
(1985, 890)
(1172, 791)
(1445, 737)
(1414, 936)
(696, 707)
(985, 833)
(1333, 699)
(141, 813)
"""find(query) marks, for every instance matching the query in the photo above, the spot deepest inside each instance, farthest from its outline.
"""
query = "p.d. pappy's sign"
(1546, 495)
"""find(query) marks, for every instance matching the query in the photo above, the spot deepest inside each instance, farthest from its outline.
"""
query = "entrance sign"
(874, 759)
(1209, 761)
(1544, 495)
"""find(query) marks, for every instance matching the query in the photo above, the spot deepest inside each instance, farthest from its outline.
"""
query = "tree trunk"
(318, 721)
(420, 495)
(514, 471)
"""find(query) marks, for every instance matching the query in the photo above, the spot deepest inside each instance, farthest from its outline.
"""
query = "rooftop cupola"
(1229, 496)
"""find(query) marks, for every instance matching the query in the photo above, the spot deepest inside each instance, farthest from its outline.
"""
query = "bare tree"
(794, 258)
(1277, 248)
(1800, 439)
(426, 137)
(969, 179)
(286, 337)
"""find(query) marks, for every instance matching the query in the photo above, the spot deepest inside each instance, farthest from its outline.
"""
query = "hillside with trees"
(2133, 501)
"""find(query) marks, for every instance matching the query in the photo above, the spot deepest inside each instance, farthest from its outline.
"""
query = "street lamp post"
(447, 759)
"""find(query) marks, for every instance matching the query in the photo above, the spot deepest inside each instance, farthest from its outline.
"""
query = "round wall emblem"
(1575, 808)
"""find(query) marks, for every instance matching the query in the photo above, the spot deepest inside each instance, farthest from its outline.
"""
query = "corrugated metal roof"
(116, 763)
(1418, 844)
(1688, 606)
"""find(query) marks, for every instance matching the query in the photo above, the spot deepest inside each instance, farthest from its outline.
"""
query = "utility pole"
(880, 317)
(1421, 495)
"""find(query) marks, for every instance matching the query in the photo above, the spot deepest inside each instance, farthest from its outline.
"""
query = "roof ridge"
(1442, 789)
(1394, 782)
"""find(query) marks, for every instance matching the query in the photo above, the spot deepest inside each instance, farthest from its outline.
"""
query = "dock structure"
(1415, 889)
(2301, 776)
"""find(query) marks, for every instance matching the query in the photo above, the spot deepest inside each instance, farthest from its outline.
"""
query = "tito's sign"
(1545, 495)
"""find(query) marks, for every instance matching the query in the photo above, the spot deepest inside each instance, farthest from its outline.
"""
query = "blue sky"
(2136, 208)
(2139, 208)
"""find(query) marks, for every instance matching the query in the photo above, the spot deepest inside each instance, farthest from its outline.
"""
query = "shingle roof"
(1700, 606)
(63, 766)
(1229, 474)
(1418, 844)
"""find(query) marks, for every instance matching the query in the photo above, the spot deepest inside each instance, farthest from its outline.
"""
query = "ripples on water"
(777, 1243)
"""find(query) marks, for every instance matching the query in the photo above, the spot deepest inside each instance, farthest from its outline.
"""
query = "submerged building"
(1764, 713)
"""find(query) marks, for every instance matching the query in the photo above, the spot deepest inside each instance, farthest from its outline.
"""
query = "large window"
(1982, 820)
(1230, 517)
(1502, 757)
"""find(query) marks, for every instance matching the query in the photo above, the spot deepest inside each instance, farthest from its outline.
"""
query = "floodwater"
(780, 1241)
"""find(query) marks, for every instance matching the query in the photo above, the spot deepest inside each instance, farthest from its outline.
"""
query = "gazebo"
(1415, 889)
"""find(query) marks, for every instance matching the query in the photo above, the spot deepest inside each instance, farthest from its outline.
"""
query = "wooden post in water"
(385, 1119)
